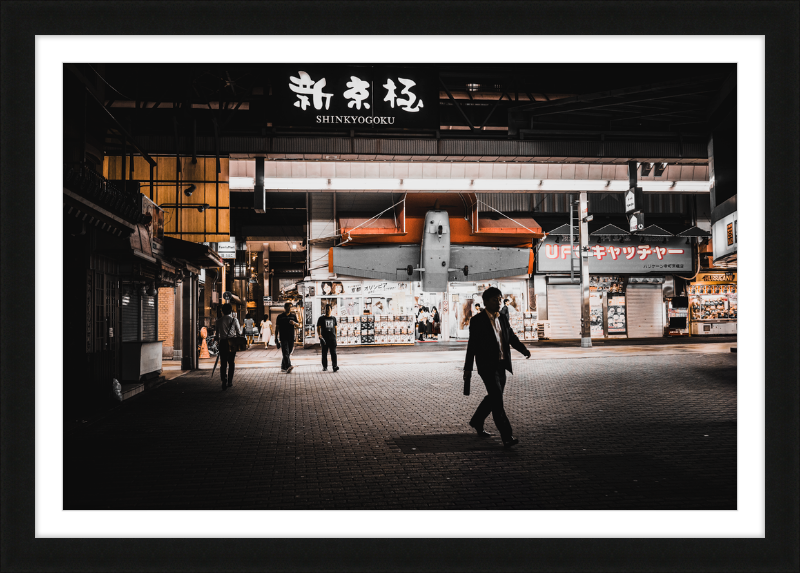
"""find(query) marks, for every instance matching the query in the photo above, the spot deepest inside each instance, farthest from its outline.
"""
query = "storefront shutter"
(645, 310)
(564, 310)
(130, 314)
(322, 225)
(149, 318)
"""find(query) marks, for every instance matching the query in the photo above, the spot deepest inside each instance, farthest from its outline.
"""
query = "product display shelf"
(376, 330)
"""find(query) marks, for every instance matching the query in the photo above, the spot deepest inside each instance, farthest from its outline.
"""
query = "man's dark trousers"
(287, 345)
(329, 344)
(226, 361)
(493, 402)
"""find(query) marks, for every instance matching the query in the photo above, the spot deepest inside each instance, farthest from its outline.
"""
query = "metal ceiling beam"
(598, 104)
(121, 129)
(623, 92)
(458, 107)
(609, 132)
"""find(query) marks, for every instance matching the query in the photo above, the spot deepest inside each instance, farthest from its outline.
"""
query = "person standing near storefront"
(436, 323)
(285, 325)
(423, 323)
(490, 339)
(227, 327)
(326, 330)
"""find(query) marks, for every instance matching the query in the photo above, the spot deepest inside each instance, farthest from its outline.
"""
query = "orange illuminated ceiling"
(406, 224)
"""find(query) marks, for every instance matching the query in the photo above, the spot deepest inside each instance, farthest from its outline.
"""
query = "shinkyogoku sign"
(349, 96)
(615, 257)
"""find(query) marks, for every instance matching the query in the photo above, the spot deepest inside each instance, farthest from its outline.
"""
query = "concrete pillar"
(189, 323)
(586, 312)
(178, 324)
(207, 312)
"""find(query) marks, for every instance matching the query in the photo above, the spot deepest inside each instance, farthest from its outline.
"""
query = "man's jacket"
(483, 349)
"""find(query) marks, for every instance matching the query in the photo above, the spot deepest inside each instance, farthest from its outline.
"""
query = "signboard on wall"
(614, 257)
(226, 250)
(725, 236)
(715, 277)
(350, 97)
(362, 288)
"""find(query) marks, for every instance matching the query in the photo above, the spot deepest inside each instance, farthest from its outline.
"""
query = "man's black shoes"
(324, 368)
(509, 443)
(335, 368)
(481, 432)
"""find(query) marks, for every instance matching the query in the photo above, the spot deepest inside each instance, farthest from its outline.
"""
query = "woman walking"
(249, 328)
(266, 331)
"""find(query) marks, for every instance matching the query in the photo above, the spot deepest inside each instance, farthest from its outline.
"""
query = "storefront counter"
(711, 327)
(713, 303)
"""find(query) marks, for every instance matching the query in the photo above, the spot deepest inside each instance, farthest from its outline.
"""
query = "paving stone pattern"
(646, 432)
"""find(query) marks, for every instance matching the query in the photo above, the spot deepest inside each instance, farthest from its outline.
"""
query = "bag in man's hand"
(237, 341)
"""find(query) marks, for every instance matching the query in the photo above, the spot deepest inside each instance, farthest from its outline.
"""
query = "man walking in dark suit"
(285, 325)
(490, 339)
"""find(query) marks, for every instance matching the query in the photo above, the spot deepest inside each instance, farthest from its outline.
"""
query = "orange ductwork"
(462, 210)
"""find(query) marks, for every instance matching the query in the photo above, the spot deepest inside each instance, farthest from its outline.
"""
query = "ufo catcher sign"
(350, 97)
(615, 257)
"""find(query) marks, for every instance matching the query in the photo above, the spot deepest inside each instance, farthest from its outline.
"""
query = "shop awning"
(610, 231)
(694, 232)
(563, 230)
(195, 254)
(654, 231)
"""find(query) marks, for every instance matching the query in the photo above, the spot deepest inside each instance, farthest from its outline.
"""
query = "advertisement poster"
(350, 306)
(617, 323)
(596, 319)
(324, 303)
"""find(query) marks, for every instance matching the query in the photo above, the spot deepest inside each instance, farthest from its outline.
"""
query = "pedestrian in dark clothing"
(504, 310)
(326, 330)
(490, 339)
(285, 325)
(436, 323)
(227, 327)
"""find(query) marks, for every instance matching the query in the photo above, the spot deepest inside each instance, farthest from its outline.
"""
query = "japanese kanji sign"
(349, 97)
(615, 257)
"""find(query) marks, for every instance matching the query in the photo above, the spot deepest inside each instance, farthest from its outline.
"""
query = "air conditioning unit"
(544, 330)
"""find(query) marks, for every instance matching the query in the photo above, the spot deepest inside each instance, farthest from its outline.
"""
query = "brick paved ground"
(639, 432)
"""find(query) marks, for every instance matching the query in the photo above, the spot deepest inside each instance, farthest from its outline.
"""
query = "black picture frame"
(21, 21)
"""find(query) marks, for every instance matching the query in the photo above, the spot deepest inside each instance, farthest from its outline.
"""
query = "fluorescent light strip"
(241, 183)
(478, 185)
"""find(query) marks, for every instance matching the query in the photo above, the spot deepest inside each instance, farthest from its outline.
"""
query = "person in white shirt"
(266, 331)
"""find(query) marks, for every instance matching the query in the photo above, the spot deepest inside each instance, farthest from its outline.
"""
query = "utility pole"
(586, 312)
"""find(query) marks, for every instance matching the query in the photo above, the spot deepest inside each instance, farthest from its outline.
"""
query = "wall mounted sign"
(636, 222)
(227, 250)
(614, 257)
(715, 278)
(333, 288)
(725, 237)
(349, 97)
(633, 200)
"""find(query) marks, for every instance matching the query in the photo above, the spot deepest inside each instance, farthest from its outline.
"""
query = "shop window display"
(607, 295)
(616, 315)
(712, 302)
